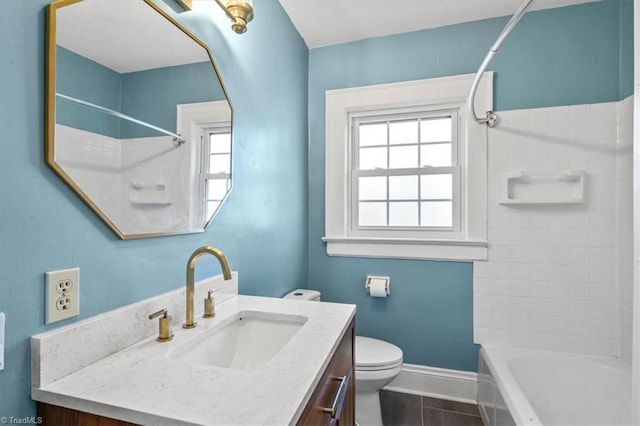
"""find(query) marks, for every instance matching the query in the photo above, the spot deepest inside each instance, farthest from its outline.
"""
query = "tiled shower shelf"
(543, 189)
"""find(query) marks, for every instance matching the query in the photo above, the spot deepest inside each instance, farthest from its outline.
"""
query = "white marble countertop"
(142, 384)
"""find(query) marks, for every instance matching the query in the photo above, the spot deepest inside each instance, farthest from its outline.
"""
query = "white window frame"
(445, 93)
(192, 119)
(455, 232)
(205, 155)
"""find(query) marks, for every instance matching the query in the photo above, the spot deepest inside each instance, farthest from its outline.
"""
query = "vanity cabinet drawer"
(333, 401)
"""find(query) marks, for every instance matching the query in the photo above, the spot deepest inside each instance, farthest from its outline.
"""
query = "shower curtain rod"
(177, 140)
(491, 118)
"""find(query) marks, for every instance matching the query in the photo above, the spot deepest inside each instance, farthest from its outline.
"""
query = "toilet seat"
(374, 355)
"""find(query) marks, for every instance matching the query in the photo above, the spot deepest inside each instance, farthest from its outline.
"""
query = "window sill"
(459, 250)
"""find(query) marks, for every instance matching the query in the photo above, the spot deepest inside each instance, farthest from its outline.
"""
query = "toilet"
(377, 363)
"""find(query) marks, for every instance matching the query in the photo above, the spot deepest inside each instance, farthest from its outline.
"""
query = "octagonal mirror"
(138, 122)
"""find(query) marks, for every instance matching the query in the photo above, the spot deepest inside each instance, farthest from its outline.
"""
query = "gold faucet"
(191, 265)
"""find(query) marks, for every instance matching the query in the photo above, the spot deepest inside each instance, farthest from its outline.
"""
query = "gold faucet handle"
(164, 325)
(209, 307)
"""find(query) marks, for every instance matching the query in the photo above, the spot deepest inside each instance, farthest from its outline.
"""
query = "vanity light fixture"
(239, 11)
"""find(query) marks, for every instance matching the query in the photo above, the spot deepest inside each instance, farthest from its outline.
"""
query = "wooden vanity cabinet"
(336, 389)
(57, 416)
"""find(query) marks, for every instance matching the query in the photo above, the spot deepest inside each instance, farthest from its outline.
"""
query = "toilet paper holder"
(374, 280)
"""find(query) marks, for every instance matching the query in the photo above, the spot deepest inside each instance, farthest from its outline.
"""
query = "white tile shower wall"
(92, 161)
(104, 168)
(154, 161)
(549, 282)
(624, 224)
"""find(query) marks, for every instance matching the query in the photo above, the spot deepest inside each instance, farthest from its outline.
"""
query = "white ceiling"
(326, 22)
(125, 36)
(111, 33)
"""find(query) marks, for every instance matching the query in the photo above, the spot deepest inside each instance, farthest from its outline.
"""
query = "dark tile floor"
(400, 409)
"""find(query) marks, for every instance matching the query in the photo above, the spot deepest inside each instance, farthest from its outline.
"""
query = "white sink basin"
(247, 340)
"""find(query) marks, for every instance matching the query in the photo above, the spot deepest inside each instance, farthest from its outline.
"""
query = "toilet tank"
(303, 294)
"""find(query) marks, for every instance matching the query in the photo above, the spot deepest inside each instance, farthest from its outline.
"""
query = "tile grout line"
(423, 407)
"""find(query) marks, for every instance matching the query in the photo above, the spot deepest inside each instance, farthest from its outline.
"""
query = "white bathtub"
(525, 387)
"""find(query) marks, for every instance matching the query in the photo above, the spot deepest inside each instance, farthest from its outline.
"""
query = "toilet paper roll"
(378, 287)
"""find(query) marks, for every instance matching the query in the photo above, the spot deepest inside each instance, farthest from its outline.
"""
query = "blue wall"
(626, 48)
(147, 97)
(82, 78)
(44, 226)
(572, 55)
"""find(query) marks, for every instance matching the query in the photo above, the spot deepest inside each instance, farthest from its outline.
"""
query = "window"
(207, 127)
(215, 172)
(406, 171)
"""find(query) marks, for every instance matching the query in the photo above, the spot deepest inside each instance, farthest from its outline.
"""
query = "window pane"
(220, 163)
(436, 155)
(436, 214)
(403, 188)
(403, 156)
(216, 189)
(435, 130)
(220, 143)
(371, 158)
(403, 132)
(372, 188)
(403, 214)
(372, 214)
(436, 187)
(373, 134)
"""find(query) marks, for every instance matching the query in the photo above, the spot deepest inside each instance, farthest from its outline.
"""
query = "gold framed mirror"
(137, 119)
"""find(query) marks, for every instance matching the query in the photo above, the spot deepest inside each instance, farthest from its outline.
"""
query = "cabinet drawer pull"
(338, 397)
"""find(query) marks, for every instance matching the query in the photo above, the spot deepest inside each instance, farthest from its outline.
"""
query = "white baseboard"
(453, 385)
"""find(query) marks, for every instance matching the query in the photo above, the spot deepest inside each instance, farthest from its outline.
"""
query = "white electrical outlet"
(62, 298)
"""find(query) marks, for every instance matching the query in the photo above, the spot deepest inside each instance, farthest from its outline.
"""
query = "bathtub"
(526, 387)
